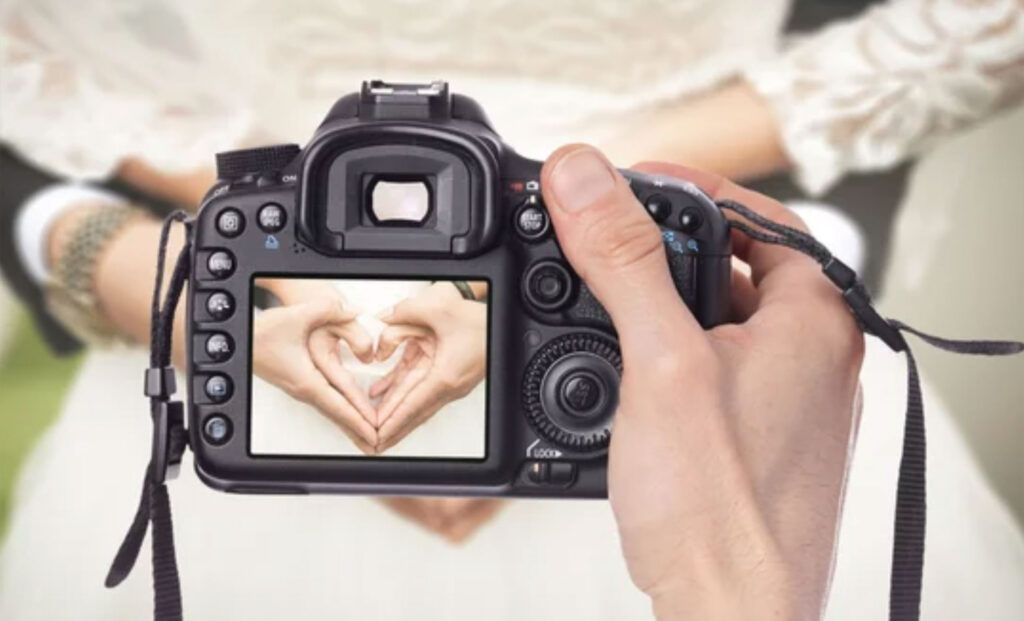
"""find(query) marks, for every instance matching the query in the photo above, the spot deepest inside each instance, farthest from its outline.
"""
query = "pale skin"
(726, 501)
(728, 458)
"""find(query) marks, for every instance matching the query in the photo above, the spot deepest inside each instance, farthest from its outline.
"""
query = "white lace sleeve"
(864, 94)
(77, 105)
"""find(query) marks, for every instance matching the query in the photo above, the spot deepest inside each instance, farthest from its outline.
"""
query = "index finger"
(773, 267)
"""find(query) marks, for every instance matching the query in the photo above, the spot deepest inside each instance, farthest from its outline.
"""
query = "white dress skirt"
(326, 557)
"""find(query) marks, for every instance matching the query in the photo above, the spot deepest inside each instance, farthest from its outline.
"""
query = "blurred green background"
(33, 383)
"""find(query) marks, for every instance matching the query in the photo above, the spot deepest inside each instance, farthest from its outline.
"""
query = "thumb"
(614, 245)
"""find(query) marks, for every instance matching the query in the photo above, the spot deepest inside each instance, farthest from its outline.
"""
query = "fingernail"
(581, 178)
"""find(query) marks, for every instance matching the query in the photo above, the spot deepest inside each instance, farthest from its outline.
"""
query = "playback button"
(217, 388)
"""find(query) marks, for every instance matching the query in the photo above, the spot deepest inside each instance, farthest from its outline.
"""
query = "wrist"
(764, 595)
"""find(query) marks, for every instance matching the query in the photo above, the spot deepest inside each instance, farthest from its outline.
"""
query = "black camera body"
(553, 362)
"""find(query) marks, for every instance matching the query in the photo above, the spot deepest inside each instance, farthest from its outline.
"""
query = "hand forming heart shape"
(298, 348)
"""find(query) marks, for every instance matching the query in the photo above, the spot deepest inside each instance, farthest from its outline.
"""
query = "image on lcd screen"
(356, 367)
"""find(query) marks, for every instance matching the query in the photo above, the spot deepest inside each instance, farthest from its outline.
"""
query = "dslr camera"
(405, 187)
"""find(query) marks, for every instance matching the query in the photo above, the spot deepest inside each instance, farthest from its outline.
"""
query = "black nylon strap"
(911, 502)
(170, 439)
(169, 443)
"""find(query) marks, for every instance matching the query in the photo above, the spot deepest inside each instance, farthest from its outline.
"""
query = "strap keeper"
(169, 440)
(159, 383)
(841, 274)
(859, 301)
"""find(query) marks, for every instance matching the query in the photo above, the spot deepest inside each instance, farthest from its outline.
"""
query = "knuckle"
(623, 242)
(302, 390)
(449, 381)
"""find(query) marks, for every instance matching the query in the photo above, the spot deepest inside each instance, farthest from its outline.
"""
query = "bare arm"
(124, 273)
(730, 130)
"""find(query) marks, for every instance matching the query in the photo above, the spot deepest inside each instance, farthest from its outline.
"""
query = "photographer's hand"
(295, 348)
(445, 357)
(729, 455)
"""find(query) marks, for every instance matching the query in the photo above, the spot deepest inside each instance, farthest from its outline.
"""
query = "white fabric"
(39, 212)
(174, 81)
(271, 558)
(865, 94)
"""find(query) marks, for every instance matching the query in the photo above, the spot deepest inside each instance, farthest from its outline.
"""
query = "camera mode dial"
(571, 391)
(236, 164)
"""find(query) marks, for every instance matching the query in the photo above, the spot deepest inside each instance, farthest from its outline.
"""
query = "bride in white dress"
(84, 87)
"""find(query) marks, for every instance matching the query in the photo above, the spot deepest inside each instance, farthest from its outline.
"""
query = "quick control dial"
(571, 390)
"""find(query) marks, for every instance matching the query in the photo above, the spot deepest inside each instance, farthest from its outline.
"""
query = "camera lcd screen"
(370, 367)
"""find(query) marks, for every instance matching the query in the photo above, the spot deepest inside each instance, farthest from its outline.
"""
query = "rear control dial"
(571, 391)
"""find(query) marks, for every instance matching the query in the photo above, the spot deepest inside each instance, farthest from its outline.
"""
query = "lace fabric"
(175, 80)
(865, 94)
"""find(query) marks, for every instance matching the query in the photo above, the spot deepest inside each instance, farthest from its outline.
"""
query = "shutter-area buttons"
(547, 285)
(658, 206)
(690, 220)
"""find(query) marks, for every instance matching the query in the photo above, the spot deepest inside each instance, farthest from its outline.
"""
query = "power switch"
(561, 473)
(551, 473)
(537, 472)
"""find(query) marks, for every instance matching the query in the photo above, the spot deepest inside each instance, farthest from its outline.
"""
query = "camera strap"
(909, 524)
(168, 445)
(170, 438)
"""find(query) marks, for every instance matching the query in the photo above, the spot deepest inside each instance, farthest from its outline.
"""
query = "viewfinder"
(399, 202)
